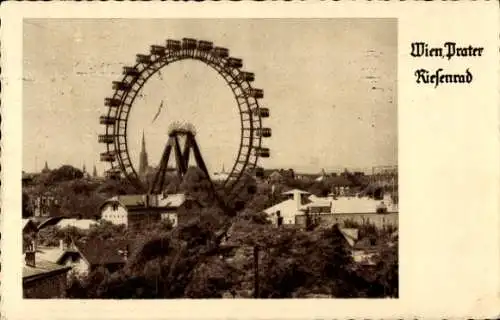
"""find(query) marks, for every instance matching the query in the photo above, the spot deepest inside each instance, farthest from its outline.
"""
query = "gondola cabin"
(143, 58)
(234, 63)
(112, 102)
(221, 52)
(106, 138)
(256, 93)
(108, 156)
(173, 45)
(262, 112)
(120, 85)
(157, 50)
(205, 45)
(107, 120)
(130, 71)
(189, 43)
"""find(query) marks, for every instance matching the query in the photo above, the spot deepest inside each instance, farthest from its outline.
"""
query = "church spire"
(143, 157)
(45, 168)
(94, 173)
(143, 145)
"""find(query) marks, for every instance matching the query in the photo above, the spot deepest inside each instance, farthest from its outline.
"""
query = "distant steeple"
(45, 168)
(143, 157)
(94, 173)
(84, 169)
(223, 171)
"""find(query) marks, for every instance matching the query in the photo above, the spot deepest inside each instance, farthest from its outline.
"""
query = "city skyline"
(69, 84)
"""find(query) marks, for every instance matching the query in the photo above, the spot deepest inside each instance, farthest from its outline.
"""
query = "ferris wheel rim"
(220, 65)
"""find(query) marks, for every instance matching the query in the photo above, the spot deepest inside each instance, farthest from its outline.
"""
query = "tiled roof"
(51, 254)
(28, 223)
(173, 200)
(130, 200)
(155, 200)
(350, 234)
(102, 252)
(41, 269)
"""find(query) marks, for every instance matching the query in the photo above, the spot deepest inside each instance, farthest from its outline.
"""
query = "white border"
(449, 239)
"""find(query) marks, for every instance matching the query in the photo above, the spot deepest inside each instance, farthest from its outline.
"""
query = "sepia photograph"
(210, 158)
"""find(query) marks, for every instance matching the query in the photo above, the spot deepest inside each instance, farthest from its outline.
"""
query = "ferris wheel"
(126, 91)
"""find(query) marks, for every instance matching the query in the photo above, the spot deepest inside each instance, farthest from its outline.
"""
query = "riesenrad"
(127, 90)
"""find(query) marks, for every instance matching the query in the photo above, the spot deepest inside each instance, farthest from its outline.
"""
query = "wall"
(118, 216)
(288, 210)
(45, 288)
(138, 219)
(379, 220)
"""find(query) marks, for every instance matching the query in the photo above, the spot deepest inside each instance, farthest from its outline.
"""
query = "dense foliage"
(212, 254)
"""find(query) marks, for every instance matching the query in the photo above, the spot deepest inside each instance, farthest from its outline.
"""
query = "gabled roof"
(43, 268)
(350, 234)
(286, 203)
(173, 200)
(28, 224)
(294, 191)
(83, 224)
(154, 200)
(130, 200)
(51, 254)
(103, 252)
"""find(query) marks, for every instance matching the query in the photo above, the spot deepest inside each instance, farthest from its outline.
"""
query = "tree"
(320, 189)
(64, 173)
(27, 210)
(197, 185)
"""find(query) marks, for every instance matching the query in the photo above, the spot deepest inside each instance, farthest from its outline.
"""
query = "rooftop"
(102, 252)
(43, 268)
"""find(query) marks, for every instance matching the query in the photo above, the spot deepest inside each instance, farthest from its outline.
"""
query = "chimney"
(29, 257)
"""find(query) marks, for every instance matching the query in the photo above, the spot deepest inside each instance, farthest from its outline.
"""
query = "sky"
(330, 85)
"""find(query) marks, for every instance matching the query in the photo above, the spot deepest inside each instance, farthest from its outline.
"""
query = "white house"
(136, 209)
(289, 208)
(362, 205)
(301, 202)
(83, 224)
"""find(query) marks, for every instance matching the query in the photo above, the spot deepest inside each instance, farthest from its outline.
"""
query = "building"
(43, 279)
(275, 177)
(288, 209)
(143, 158)
(86, 256)
(82, 257)
(45, 168)
(136, 210)
(82, 224)
(341, 185)
(359, 210)
(221, 176)
(44, 205)
(333, 210)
